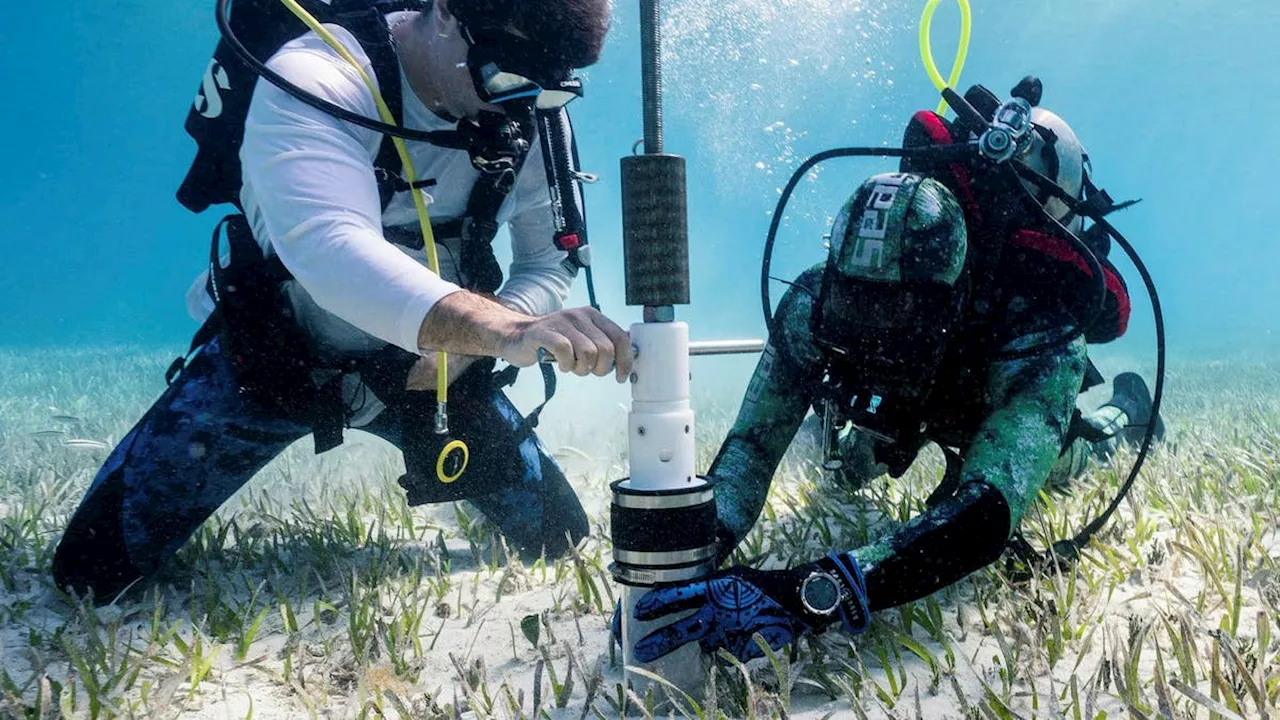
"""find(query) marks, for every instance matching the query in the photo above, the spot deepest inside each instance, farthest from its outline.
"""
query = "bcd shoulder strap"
(369, 27)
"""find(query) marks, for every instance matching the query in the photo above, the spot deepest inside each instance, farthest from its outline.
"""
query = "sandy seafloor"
(1172, 613)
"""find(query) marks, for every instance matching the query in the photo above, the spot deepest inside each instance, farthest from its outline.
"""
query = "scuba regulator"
(1009, 132)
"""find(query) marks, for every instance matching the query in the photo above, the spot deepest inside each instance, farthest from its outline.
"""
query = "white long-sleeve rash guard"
(310, 195)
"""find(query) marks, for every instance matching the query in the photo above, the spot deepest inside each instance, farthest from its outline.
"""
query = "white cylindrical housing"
(660, 438)
(660, 427)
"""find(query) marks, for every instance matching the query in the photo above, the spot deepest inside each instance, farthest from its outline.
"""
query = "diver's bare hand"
(582, 341)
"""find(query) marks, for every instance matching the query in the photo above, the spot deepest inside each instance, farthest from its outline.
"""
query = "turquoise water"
(1175, 102)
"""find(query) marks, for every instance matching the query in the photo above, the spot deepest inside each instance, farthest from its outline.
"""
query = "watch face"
(820, 593)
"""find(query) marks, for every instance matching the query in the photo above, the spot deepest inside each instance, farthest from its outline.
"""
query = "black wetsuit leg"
(197, 445)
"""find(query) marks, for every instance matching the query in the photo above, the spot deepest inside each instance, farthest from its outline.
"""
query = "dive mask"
(506, 67)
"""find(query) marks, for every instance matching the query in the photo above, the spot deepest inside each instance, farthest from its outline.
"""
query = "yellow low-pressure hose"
(429, 240)
(926, 51)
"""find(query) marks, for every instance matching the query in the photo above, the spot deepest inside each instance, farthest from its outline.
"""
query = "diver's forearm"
(937, 548)
(741, 475)
(778, 396)
(1005, 466)
(467, 323)
(776, 401)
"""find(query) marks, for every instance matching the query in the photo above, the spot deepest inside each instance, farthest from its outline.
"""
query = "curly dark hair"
(572, 31)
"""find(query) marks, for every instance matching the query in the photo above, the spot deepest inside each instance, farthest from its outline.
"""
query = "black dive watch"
(833, 590)
(820, 593)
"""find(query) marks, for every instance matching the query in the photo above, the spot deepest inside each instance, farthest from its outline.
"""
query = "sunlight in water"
(755, 78)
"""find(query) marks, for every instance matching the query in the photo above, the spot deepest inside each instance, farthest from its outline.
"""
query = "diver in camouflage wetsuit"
(931, 321)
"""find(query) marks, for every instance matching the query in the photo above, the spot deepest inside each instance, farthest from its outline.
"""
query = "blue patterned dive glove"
(736, 603)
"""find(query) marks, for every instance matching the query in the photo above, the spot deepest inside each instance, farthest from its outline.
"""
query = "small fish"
(572, 451)
(48, 433)
(573, 461)
(81, 444)
(68, 419)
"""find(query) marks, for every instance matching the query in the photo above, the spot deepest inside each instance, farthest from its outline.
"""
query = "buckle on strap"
(506, 377)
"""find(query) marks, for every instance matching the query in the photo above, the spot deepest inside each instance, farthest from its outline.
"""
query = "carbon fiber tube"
(655, 230)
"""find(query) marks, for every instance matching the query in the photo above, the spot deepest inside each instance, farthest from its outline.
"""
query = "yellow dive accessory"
(926, 51)
(454, 453)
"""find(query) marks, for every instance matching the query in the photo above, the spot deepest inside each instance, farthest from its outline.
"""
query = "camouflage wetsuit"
(1012, 443)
